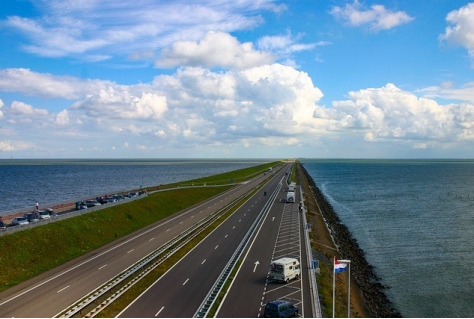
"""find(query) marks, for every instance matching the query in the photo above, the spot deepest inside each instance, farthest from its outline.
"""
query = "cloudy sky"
(236, 79)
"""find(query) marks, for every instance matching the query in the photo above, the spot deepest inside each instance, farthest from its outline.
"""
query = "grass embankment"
(31, 252)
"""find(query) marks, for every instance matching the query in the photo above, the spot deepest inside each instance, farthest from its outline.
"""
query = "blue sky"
(236, 79)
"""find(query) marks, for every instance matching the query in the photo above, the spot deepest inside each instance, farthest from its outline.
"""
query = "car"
(44, 214)
(279, 309)
(20, 221)
(31, 217)
(91, 203)
(2, 225)
(80, 205)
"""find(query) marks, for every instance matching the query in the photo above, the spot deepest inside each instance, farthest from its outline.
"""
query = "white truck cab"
(285, 269)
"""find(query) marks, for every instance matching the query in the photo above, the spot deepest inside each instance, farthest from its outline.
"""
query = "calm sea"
(23, 182)
(415, 222)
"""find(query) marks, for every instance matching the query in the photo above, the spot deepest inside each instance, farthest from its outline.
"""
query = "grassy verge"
(324, 250)
(28, 253)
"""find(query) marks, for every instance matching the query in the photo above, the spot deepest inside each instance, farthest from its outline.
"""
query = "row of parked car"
(84, 204)
(33, 217)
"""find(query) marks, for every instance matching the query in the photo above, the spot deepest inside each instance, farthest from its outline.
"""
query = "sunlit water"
(415, 222)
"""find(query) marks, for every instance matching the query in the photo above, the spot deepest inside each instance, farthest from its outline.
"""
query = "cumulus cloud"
(1, 105)
(216, 49)
(377, 17)
(461, 28)
(8, 146)
(388, 113)
(115, 104)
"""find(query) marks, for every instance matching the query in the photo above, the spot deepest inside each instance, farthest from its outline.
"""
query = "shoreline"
(373, 297)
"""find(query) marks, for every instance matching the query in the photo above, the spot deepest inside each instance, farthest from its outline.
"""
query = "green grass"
(30, 252)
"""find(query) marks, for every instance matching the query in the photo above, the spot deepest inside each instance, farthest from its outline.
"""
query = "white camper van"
(290, 197)
(285, 269)
(292, 187)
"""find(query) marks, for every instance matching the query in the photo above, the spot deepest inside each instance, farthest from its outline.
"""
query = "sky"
(236, 79)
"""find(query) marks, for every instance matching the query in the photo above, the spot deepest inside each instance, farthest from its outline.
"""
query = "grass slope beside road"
(28, 253)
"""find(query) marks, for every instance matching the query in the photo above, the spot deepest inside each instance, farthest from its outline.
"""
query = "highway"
(50, 293)
(181, 291)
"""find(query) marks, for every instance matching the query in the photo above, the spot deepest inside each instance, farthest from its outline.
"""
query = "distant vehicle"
(285, 269)
(292, 187)
(31, 217)
(280, 309)
(2, 225)
(43, 214)
(290, 197)
(91, 203)
(19, 221)
(80, 205)
(133, 194)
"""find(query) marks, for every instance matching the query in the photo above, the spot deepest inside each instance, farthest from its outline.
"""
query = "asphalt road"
(180, 291)
(52, 292)
(280, 235)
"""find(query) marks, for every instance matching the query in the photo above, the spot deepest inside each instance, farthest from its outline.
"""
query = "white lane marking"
(102, 266)
(192, 216)
(63, 289)
(128, 252)
(168, 229)
(226, 236)
(159, 311)
(180, 223)
(233, 227)
(216, 247)
(203, 261)
(93, 258)
(151, 239)
(184, 283)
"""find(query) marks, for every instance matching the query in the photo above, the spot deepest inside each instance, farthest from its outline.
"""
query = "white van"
(292, 187)
(290, 197)
(285, 269)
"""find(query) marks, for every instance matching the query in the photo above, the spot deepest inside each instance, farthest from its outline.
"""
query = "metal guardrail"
(176, 243)
(316, 305)
(74, 213)
(211, 297)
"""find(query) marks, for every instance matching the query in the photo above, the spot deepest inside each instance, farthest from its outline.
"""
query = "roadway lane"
(281, 235)
(50, 293)
(180, 291)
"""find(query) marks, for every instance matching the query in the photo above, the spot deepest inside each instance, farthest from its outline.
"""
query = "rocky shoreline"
(362, 272)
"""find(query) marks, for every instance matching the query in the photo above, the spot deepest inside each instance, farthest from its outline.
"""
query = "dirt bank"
(368, 298)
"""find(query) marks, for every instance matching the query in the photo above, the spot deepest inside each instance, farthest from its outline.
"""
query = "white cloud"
(23, 109)
(45, 85)
(96, 30)
(377, 17)
(1, 105)
(9, 146)
(216, 49)
(448, 91)
(388, 113)
(461, 29)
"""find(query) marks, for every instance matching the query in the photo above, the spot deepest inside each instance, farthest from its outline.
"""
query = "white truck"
(290, 197)
(285, 269)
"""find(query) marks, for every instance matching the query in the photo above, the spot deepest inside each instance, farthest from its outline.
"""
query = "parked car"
(80, 205)
(44, 214)
(31, 217)
(280, 309)
(91, 203)
(2, 225)
(19, 221)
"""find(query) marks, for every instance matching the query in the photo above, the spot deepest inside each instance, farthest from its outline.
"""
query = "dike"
(362, 272)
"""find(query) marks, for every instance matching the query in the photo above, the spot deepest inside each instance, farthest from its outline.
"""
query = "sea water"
(25, 182)
(415, 222)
